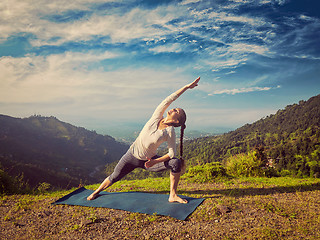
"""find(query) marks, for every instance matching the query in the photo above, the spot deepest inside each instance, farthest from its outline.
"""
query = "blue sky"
(107, 64)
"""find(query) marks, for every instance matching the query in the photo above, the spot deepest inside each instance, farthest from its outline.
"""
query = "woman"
(142, 153)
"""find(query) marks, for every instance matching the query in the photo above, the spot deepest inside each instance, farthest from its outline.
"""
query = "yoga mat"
(140, 202)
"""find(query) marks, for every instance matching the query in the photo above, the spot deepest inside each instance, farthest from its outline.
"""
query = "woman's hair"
(182, 123)
(181, 140)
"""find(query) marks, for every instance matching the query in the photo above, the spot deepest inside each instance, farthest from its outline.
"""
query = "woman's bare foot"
(178, 199)
(92, 196)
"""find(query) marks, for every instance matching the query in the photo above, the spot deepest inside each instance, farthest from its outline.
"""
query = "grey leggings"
(128, 163)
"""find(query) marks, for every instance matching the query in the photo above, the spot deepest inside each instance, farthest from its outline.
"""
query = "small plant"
(43, 187)
(7, 218)
(153, 217)
(93, 217)
(135, 216)
(75, 227)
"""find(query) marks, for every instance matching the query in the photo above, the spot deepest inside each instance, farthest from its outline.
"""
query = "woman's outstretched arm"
(165, 103)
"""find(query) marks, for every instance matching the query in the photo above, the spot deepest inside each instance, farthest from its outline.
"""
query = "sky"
(105, 65)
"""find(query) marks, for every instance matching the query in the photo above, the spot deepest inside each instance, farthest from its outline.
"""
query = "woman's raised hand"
(189, 86)
(194, 83)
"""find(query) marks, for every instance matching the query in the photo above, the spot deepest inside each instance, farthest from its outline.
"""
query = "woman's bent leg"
(174, 181)
(174, 165)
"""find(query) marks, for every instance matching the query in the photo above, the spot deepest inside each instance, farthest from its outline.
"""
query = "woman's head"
(177, 117)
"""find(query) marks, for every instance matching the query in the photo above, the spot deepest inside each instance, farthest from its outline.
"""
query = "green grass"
(162, 184)
(149, 184)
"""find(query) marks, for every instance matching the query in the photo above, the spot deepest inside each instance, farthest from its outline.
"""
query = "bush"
(270, 172)
(206, 172)
(314, 168)
(12, 185)
(285, 173)
(248, 165)
(7, 183)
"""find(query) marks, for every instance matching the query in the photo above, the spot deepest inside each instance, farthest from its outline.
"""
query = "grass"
(261, 208)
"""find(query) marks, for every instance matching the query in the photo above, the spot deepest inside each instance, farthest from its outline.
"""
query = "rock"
(18, 225)
(85, 223)
(223, 209)
(47, 212)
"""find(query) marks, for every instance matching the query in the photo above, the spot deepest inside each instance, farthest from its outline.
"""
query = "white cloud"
(217, 63)
(66, 74)
(174, 48)
(137, 23)
(307, 18)
(61, 85)
(240, 90)
(247, 48)
(20, 70)
(232, 55)
(222, 16)
(260, 2)
(186, 2)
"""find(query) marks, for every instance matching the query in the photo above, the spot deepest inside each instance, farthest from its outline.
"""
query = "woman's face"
(174, 114)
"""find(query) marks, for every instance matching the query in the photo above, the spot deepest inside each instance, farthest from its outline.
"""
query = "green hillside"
(44, 149)
(288, 139)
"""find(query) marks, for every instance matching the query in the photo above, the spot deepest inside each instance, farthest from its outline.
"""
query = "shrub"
(206, 172)
(12, 185)
(285, 173)
(43, 187)
(7, 183)
(247, 165)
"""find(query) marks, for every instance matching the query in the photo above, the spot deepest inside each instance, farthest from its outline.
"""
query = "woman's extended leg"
(126, 165)
(174, 181)
(104, 185)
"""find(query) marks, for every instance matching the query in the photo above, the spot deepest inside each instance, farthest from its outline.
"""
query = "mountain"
(45, 149)
(290, 139)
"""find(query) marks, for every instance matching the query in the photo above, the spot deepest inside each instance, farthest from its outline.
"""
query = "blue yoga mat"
(140, 202)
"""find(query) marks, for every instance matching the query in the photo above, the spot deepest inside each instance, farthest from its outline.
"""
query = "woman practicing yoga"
(142, 153)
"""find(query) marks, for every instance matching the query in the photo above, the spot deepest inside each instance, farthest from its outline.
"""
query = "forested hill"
(45, 149)
(291, 138)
